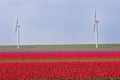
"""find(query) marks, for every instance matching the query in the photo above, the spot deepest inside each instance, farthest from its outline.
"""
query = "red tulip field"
(86, 65)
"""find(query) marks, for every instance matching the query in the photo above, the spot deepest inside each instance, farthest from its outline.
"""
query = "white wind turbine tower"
(96, 29)
(18, 34)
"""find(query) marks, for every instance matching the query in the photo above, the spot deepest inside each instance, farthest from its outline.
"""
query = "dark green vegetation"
(70, 47)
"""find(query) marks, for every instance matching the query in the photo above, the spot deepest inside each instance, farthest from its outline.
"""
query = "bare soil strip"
(60, 60)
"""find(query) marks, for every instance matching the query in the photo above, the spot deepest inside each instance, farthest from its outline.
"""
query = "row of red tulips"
(76, 70)
(59, 55)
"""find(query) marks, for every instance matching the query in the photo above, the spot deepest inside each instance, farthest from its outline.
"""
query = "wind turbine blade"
(94, 27)
(16, 26)
(17, 22)
(94, 21)
(95, 14)
(15, 29)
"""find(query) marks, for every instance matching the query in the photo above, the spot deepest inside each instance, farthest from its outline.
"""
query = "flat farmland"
(60, 62)
(67, 47)
(59, 65)
(72, 56)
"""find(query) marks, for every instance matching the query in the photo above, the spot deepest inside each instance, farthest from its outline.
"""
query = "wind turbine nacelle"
(96, 21)
(18, 26)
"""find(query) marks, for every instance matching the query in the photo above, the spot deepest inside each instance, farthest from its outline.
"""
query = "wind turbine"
(96, 29)
(18, 34)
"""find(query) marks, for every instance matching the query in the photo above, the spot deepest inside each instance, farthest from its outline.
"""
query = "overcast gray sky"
(59, 21)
